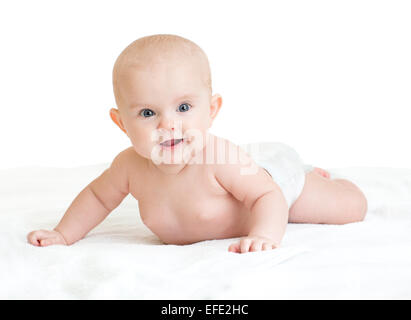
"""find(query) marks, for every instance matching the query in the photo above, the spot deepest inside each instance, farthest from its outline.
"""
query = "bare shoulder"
(128, 161)
(241, 176)
(228, 157)
(232, 163)
(126, 164)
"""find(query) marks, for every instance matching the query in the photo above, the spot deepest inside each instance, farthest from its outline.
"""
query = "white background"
(330, 78)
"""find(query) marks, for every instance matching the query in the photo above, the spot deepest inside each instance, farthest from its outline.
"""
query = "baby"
(192, 185)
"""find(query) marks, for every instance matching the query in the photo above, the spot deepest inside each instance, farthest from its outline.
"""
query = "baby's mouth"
(171, 142)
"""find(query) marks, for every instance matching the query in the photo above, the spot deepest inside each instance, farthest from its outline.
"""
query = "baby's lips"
(160, 135)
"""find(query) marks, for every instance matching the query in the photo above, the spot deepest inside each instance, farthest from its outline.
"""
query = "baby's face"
(164, 102)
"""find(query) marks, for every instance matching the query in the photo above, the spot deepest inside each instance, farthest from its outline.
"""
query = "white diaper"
(283, 163)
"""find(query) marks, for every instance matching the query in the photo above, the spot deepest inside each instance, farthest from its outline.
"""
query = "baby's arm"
(265, 201)
(89, 208)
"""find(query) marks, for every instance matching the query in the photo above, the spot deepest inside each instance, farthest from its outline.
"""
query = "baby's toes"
(322, 172)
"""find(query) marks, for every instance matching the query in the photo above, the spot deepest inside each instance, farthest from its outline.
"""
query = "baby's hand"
(43, 238)
(252, 243)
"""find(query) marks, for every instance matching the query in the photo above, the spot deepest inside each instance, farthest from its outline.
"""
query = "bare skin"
(194, 205)
(184, 201)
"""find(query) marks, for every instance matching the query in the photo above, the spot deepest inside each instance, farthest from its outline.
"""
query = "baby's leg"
(330, 201)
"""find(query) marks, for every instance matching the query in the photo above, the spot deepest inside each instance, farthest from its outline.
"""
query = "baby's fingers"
(34, 237)
(256, 245)
(268, 246)
(49, 241)
(234, 247)
(240, 246)
(43, 238)
(245, 245)
(251, 245)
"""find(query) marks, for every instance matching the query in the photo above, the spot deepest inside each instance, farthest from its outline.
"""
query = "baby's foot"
(322, 172)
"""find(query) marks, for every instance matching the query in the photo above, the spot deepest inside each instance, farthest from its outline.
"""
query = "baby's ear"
(216, 102)
(115, 116)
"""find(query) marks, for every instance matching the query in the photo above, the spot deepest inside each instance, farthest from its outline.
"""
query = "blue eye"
(146, 113)
(184, 107)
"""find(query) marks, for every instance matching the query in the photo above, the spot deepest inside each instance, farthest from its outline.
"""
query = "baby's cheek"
(142, 146)
(195, 139)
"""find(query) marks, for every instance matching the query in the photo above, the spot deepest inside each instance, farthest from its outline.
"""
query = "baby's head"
(162, 87)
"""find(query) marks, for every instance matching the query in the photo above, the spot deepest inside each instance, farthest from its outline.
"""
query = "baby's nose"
(170, 124)
(166, 124)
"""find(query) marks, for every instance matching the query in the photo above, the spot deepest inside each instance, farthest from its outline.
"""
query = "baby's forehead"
(149, 85)
(152, 52)
(153, 58)
(163, 73)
